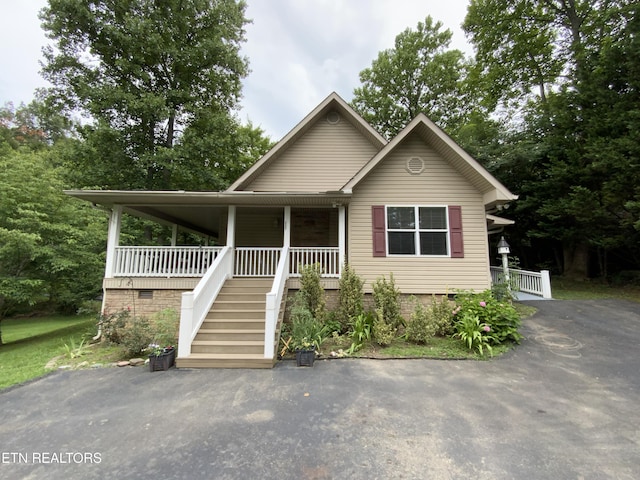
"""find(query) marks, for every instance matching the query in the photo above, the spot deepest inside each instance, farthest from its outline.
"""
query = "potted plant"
(305, 353)
(161, 358)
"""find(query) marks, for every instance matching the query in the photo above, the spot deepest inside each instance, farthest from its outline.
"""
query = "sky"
(299, 51)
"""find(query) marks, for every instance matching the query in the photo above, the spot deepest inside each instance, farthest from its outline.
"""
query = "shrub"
(361, 328)
(501, 317)
(383, 333)
(165, 327)
(112, 325)
(312, 291)
(421, 327)
(304, 330)
(136, 337)
(387, 299)
(351, 295)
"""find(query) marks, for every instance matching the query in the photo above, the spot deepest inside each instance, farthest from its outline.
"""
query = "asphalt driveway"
(563, 405)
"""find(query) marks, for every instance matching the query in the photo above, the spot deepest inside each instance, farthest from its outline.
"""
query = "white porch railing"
(274, 301)
(535, 283)
(327, 257)
(196, 304)
(163, 261)
(256, 261)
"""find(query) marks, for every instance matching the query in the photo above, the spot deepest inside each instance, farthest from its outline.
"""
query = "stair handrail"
(273, 302)
(197, 303)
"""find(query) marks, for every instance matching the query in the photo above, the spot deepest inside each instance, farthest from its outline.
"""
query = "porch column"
(231, 226)
(342, 237)
(113, 238)
(286, 241)
(174, 235)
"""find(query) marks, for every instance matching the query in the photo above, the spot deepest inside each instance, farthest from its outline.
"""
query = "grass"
(30, 343)
(565, 289)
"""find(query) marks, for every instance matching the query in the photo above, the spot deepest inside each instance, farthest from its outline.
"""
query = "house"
(332, 190)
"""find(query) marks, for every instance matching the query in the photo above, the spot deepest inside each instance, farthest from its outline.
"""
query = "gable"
(324, 158)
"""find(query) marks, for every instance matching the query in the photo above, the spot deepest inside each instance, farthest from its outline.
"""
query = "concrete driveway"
(563, 405)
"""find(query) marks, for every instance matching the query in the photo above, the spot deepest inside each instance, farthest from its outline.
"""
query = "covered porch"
(266, 237)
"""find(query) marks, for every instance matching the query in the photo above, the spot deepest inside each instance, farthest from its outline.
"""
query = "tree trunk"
(576, 261)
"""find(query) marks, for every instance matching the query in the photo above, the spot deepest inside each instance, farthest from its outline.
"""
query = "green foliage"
(501, 317)
(73, 349)
(361, 329)
(304, 329)
(160, 91)
(165, 325)
(386, 298)
(383, 333)
(419, 74)
(51, 246)
(311, 291)
(475, 335)
(421, 327)
(351, 295)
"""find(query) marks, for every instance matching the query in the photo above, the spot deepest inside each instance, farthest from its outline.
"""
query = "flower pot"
(164, 361)
(305, 358)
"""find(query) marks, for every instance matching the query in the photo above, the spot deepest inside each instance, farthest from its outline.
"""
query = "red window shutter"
(455, 231)
(379, 233)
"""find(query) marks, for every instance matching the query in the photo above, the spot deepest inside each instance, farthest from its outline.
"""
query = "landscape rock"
(123, 363)
(136, 361)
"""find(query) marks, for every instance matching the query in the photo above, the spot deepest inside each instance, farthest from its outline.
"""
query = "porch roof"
(187, 208)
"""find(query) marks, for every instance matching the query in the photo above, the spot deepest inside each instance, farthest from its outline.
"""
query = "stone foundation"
(139, 302)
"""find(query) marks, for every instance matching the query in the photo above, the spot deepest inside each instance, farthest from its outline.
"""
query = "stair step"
(225, 360)
(230, 334)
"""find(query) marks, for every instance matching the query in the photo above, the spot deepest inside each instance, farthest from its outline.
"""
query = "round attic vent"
(415, 165)
(333, 117)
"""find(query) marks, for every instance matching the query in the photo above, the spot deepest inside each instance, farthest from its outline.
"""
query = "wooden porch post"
(286, 241)
(342, 237)
(174, 235)
(231, 226)
(113, 239)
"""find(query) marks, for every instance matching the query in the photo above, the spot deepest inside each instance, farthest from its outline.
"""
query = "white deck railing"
(535, 283)
(273, 303)
(256, 261)
(196, 304)
(327, 257)
(163, 261)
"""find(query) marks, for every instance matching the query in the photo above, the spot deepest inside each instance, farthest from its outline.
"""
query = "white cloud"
(299, 50)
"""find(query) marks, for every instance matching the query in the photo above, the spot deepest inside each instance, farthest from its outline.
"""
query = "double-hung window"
(417, 230)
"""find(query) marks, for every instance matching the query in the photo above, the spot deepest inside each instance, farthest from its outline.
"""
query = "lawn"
(29, 343)
(564, 289)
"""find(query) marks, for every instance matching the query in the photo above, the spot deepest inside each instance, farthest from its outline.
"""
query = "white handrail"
(273, 303)
(150, 261)
(196, 304)
(535, 283)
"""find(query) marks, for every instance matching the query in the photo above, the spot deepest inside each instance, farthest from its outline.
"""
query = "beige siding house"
(331, 191)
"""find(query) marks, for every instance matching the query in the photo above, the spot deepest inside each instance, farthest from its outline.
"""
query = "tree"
(148, 77)
(418, 75)
(572, 158)
(51, 246)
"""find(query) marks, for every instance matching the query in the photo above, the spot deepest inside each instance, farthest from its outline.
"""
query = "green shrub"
(501, 317)
(112, 325)
(351, 295)
(386, 298)
(383, 333)
(136, 336)
(312, 291)
(421, 327)
(165, 327)
(303, 329)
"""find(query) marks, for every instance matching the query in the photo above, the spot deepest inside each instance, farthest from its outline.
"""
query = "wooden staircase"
(232, 334)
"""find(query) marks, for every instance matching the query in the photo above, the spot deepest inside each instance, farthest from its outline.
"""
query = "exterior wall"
(118, 299)
(323, 159)
(439, 184)
(259, 227)
(314, 227)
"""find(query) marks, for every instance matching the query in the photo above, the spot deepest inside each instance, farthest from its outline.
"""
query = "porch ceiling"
(200, 211)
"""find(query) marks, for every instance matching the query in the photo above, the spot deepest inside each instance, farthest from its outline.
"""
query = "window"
(417, 231)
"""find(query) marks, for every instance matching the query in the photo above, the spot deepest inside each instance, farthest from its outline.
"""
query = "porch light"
(503, 247)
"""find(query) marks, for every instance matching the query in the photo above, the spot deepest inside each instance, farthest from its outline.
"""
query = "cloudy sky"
(299, 50)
